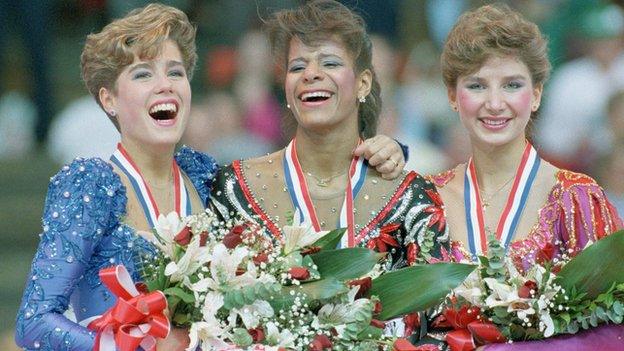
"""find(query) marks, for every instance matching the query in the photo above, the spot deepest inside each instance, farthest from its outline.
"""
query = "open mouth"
(164, 112)
(316, 96)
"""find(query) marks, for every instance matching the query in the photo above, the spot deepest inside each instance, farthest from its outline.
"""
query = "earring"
(535, 107)
(112, 113)
(288, 106)
(362, 99)
(454, 108)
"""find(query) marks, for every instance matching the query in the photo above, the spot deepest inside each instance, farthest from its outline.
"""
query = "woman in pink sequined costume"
(494, 65)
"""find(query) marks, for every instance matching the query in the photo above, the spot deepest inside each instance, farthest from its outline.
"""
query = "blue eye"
(514, 85)
(475, 86)
(177, 73)
(141, 75)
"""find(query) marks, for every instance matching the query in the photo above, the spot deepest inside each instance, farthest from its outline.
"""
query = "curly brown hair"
(493, 31)
(141, 32)
(315, 22)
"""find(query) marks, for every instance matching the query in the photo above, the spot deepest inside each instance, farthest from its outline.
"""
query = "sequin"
(73, 227)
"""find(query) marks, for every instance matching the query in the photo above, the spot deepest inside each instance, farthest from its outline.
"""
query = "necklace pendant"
(322, 183)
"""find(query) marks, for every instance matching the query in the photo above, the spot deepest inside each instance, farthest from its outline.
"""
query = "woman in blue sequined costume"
(138, 69)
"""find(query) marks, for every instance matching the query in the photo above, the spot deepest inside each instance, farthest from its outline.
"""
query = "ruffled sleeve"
(585, 213)
(85, 201)
(200, 168)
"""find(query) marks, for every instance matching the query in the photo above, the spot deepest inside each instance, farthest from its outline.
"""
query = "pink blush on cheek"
(467, 101)
(522, 103)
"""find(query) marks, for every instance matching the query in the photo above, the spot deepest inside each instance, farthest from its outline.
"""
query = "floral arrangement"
(558, 295)
(235, 288)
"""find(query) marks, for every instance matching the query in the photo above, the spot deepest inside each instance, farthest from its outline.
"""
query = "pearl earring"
(288, 106)
(362, 99)
(112, 113)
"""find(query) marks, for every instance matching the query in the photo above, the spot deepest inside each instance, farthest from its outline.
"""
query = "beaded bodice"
(406, 209)
(576, 212)
(83, 232)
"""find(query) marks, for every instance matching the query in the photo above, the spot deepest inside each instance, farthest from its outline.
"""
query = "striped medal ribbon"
(516, 201)
(300, 195)
(182, 201)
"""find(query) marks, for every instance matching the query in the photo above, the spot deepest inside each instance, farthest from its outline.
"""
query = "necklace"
(324, 182)
(485, 200)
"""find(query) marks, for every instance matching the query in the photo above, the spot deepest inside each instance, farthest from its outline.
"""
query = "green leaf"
(183, 295)
(596, 268)
(307, 292)
(418, 287)
(371, 333)
(241, 337)
(346, 264)
(330, 240)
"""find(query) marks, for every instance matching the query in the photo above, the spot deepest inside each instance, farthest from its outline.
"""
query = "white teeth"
(307, 96)
(164, 107)
(494, 122)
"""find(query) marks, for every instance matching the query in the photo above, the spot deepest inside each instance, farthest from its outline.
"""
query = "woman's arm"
(77, 213)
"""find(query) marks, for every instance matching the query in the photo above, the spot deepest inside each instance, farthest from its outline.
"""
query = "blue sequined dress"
(83, 232)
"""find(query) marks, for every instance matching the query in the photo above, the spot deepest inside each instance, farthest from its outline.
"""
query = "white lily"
(502, 294)
(471, 289)
(281, 339)
(166, 229)
(300, 234)
(194, 257)
(208, 331)
(223, 268)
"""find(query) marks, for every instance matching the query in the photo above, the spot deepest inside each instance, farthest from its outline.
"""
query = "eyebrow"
(513, 77)
(170, 63)
(320, 56)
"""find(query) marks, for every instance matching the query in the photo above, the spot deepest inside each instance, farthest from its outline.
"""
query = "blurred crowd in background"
(45, 112)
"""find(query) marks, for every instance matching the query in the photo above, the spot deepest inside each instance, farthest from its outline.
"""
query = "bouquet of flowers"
(236, 288)
(558, 295)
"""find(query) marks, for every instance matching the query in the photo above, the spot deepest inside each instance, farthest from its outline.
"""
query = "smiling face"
(322, 86)
(151, 99)
(495, 103)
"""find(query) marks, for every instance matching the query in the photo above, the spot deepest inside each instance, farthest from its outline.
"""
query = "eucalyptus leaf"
(183, 295)
(346, 264)
(308, 292)
(418, 287)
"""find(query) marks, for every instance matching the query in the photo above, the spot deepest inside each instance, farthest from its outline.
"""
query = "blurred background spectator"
(238, 107)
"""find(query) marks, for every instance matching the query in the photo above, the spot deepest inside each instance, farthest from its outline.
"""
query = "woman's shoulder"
(196, 164)
(86, 172)
(569, 179)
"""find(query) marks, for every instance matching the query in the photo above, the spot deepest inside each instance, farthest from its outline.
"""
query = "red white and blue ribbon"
(516, 201)
(182, 201)
(300, 195)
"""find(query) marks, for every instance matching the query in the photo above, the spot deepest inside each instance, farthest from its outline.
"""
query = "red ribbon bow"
(136, 319)
(469, 332)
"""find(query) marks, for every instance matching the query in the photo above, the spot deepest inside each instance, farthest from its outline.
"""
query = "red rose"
(525, 290)
(203, 238)
(364, 284)
(299, 273)
(233, 238)
(259, 258)
(377, 308)
(545, 254)
(402, 344)
(257, 334)
(320, 343)
(556, 269)
(377, 323)
(183, 237)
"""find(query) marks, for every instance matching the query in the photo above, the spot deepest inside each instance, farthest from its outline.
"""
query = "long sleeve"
(82, 202)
